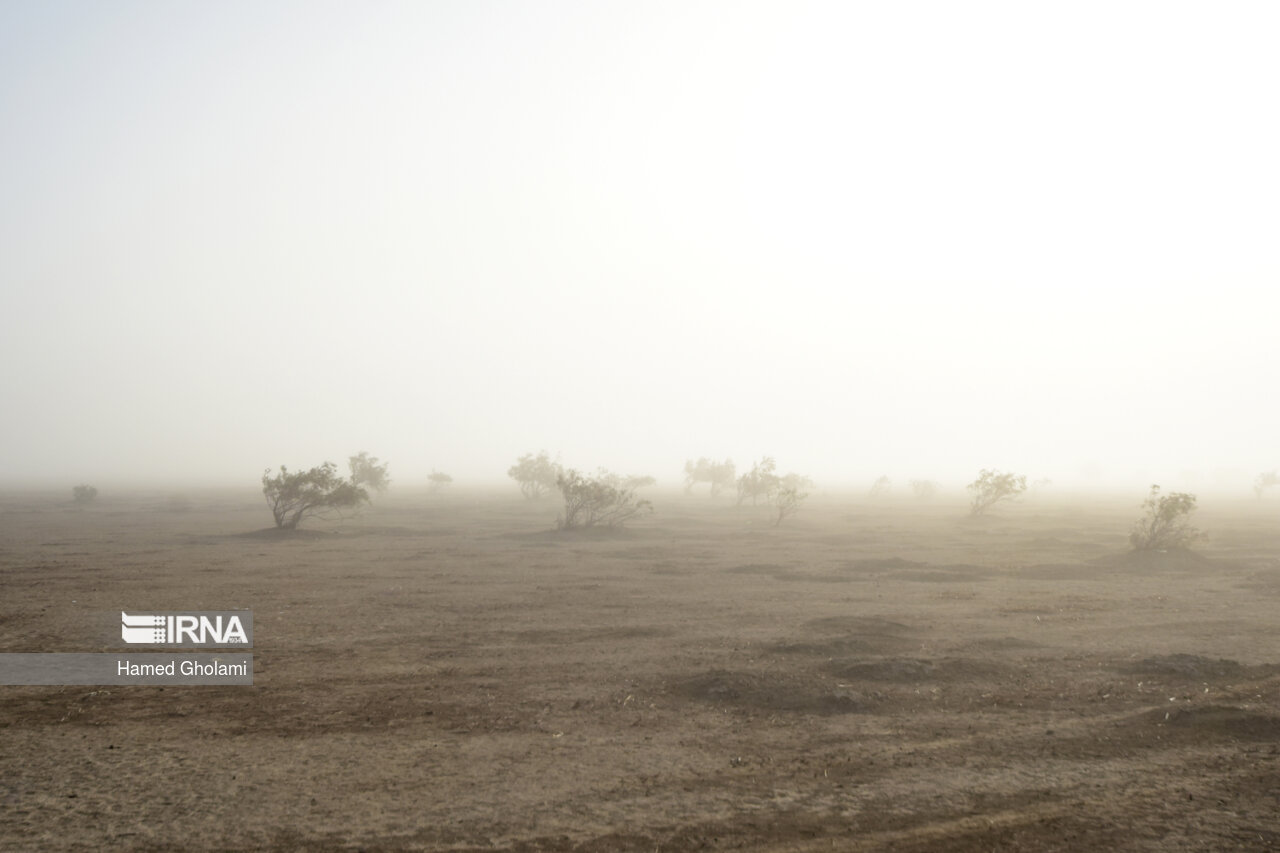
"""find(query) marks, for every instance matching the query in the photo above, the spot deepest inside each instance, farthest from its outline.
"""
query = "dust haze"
(643, 426)
(918, 241)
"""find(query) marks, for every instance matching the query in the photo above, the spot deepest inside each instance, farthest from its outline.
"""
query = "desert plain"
(449, 672)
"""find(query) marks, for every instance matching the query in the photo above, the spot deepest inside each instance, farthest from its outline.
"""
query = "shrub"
(1165, 524)
(992, 486)
(366, 472)
(923, 490)
(319, 492)
(595, 501)
(761, 481)
(437, 480)
(536, 475)
(787, 501)
(719, 474)
(83, 493)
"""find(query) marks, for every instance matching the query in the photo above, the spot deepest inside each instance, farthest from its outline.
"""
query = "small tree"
(1265, 480)
(1165, 524)
(719, 474)
(762, 481)
(319, 492)
(83, 493)
(793, 480)
(620, 481)
(992, 486)
(595, 501)
(923, 490)
(881, 488)
(438, 481)
(536, 475)
(366, 472)
(787, 501)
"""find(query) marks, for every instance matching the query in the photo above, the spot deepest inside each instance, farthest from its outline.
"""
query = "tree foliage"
(993, 486)
(296, 495)
(537, 475)
(762, 481)
(1165, 524)
(368, 473)
(719, 474)
(83, 493)
(787, 502)
(438, 480)
(627, 481)
(597, 501)
(923, 490)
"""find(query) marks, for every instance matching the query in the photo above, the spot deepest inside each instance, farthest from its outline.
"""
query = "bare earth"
(450, 673)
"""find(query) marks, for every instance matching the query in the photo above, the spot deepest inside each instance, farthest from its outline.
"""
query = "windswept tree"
(719, 474)
(992, 486)
(368, 473)
(792, 480)
(1265, 480)
(537, 475)
(624, 481)
(438, 481)
(787, 502)
(596, 501)
(1165, 524)
(762, 481)
(320, 492)
(83, 493)
(923, 490)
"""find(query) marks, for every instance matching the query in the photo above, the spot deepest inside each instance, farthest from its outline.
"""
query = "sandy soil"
(452, 674)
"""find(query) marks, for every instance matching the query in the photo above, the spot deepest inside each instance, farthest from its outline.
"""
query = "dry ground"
(452, 674)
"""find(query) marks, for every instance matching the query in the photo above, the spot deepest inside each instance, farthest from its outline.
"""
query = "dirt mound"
(914, 670)
(851, 636)
(769, 692)
(1060, 571)
(1173, 560)
(859, 626)
(1221, 720)
(1187, 666)
(278, 534)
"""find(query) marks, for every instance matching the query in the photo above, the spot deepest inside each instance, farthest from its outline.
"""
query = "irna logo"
(188, 628)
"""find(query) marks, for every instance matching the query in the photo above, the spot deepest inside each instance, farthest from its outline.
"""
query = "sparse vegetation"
(760, 482)
(537, 475)
(1265, 480)
(1165, 524)
(719, 474)
(787, 502)
(785, 493)
(368, 473)
(83, 493)
(319, 492)
(993, 486)
(881, 488)
(597, 501)
(923, 490)
(619, 481)
(438, 481)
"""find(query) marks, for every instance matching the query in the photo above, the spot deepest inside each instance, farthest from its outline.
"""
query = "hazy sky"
(904, 238)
